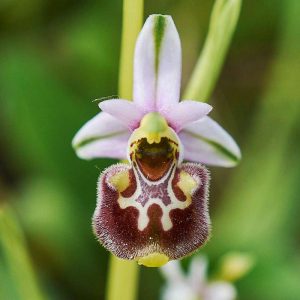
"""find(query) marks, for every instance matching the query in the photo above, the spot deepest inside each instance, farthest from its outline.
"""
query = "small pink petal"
(125, 111)
(179, 291)
(185, 112)
(173, 272)
(220, 290)
(197, 273)
(102, 136)
(157, 64)
(207, 142)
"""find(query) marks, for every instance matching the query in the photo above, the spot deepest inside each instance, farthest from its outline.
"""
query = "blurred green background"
(56, 57)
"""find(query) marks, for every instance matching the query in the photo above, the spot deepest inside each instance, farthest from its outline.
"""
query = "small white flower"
(194, 285)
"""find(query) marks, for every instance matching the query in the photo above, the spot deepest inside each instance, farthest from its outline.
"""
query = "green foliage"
(223, 22)
(56, 57)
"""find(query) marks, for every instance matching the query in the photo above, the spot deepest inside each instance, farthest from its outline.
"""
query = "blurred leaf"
(223, 22)
(87, 50)
(255, 213)
(61, 245)
(18, 261)
(40, 117)
(7, 289)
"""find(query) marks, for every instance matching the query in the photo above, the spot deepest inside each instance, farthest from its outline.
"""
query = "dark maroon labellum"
(137, 216)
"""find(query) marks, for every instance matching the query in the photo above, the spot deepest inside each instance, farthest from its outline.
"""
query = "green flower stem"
(123, 279)
(223, 21)
(13, 244)
(133, 11)
(123, 275)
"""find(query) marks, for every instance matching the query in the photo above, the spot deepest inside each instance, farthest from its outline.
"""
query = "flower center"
(153, 147)
(154, 160)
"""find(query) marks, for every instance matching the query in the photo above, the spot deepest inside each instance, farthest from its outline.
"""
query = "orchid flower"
(154, 209)
(194, 285)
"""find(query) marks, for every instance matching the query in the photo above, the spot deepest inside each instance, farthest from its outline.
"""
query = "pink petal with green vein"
(102, 136)
(157, 64)
(207, 142)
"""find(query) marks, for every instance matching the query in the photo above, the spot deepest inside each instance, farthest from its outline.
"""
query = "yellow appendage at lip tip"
(153, 260)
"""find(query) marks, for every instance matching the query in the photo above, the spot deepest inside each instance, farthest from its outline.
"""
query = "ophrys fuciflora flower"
(154, 209)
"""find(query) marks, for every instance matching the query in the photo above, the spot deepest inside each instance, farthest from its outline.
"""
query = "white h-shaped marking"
(141, 193)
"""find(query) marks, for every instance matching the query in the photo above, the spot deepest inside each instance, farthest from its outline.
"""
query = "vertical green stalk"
(132, 22)
(123, 275)
(122, 280)
(12, 242)
(223, 21)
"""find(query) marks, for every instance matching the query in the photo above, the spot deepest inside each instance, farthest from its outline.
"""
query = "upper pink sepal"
(157, 64)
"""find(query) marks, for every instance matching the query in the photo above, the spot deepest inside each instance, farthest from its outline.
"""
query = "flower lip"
(136, 217)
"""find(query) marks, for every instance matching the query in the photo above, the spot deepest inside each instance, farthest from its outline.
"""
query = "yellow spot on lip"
(187, 184)
(153, 260)
(120, 181)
